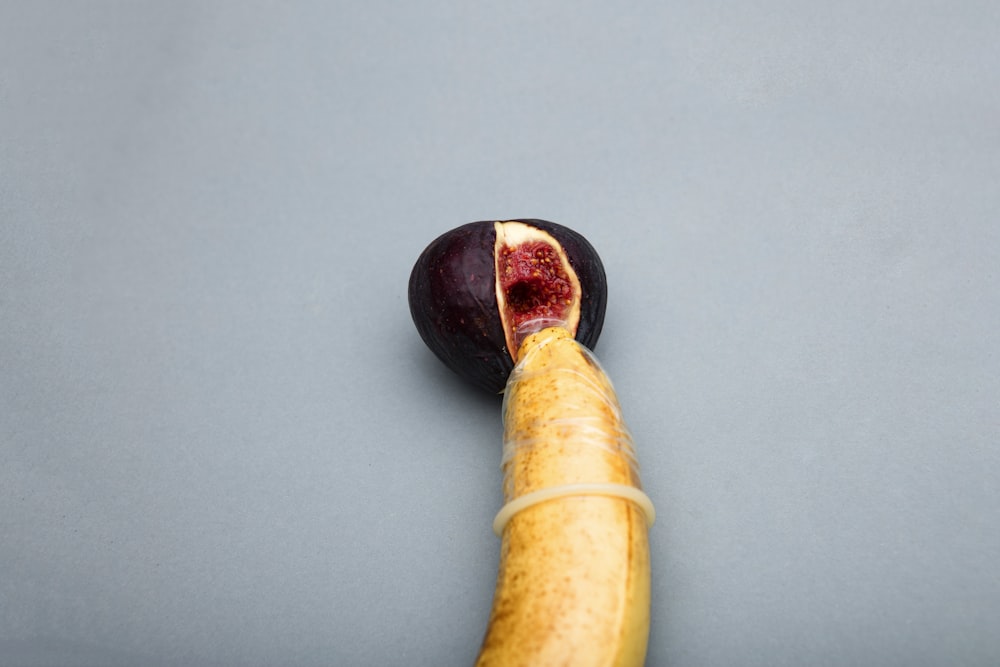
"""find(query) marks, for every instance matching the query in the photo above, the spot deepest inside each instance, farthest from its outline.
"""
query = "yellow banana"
(573, 586)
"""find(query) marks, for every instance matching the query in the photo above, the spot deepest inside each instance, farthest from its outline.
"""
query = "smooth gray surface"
(222, 442)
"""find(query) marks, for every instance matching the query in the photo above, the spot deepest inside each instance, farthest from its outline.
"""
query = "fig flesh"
(478, 289)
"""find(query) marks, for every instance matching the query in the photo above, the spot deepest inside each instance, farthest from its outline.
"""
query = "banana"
(573, 587)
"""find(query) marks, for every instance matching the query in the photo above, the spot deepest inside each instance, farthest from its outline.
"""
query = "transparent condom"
(597, 431)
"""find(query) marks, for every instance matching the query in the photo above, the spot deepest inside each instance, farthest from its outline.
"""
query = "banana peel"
(573, 586)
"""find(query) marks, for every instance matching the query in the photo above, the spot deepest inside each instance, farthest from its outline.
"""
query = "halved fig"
(476, 290)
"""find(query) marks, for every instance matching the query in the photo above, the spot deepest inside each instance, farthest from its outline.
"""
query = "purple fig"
(475, 289)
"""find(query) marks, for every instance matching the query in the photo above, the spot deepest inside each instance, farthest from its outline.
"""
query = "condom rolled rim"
(623, 491)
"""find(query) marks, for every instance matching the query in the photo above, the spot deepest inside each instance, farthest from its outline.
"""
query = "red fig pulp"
(535, 282)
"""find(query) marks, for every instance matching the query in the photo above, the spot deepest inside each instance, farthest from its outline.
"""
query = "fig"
(478, 289)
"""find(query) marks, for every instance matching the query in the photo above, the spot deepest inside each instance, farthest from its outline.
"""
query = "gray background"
(223, 443)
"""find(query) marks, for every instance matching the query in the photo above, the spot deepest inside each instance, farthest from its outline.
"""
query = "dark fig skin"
(453, 302)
